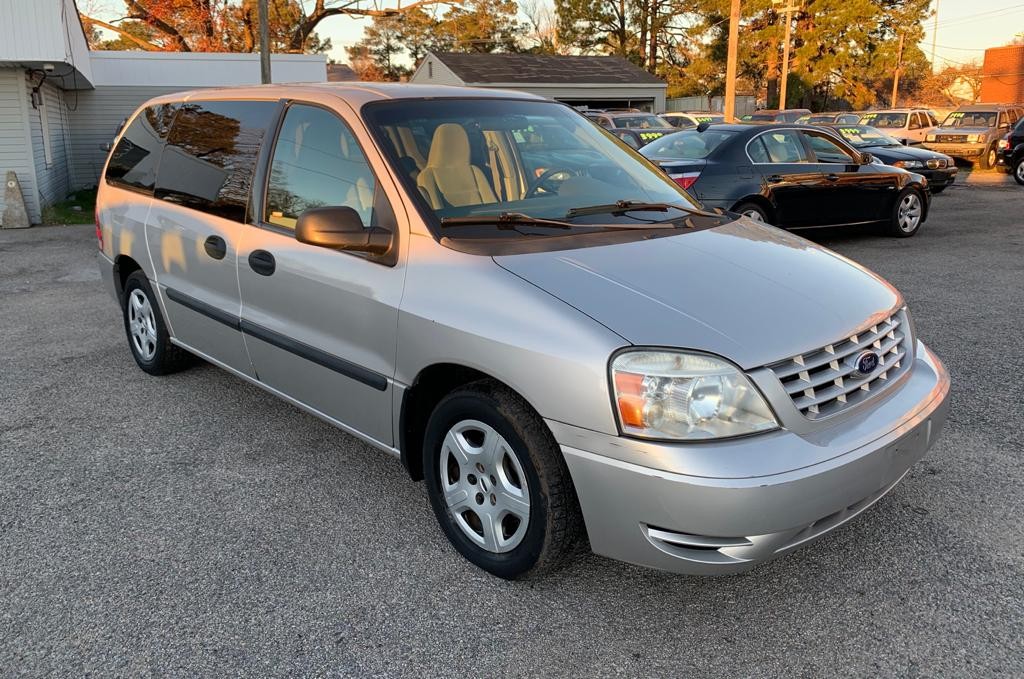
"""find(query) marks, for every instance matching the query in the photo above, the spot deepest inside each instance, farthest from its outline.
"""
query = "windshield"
(970, 119)
(864, 135)
(640, 122)
(889, 120)
(532, 159)
(687, 145)
(765, 117)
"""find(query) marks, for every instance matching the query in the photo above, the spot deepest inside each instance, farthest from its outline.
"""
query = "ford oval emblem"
(865, 364)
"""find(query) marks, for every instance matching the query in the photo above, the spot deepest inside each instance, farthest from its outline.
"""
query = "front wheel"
(906, 214)
(1018, 171)
(988, 161)
(498, 484)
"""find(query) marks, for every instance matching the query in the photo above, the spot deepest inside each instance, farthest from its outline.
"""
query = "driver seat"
(448, 178)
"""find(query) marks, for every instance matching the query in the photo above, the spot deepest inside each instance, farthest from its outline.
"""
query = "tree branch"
(142, 14)
(148, 46)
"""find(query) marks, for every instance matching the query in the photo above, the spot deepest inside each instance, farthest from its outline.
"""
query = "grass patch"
(77, 209)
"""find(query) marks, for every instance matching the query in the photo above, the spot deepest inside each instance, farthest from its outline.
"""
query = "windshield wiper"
(512, 220)
(506, 220)
(623, 206)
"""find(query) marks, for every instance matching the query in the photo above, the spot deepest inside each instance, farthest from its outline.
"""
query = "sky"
(964, 27)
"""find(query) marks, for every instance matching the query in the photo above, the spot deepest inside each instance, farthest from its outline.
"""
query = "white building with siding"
(60, 103)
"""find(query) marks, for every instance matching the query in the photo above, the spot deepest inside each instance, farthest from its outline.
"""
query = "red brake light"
(685, 179)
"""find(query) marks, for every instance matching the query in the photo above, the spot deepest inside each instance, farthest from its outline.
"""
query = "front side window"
(826, 150)
(778, 146)
(210, 157)
(526, 159)
(317, 163)
(134, 161)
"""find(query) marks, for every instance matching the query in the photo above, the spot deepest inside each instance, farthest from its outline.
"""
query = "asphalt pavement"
(194, 525)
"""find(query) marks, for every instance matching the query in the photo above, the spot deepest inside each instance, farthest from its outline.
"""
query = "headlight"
(930, 137)
(677, 395)
(979, 138)
(908, 164)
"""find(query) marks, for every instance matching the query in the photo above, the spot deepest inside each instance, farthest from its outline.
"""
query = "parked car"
(939, 169)
(972, 133)
(791, 177)
(634, 128)
(584, 356)
(775, 116)
(686, 120)
(1011, 152)
(846, 118)
(908, 125)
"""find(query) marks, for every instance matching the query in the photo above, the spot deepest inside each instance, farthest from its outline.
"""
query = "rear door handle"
(774, 178)
(832, 177)
(215, 247)
(262, 262)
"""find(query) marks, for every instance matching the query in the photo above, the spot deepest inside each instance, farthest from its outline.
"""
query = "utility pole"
(730, 64)
(935, 31)
(788, 9)
(264, 43)
(896, 74)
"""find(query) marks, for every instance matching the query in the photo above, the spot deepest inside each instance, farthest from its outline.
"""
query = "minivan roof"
(355, 93)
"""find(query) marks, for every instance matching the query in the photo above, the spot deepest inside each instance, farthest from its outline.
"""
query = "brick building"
(1003, 75)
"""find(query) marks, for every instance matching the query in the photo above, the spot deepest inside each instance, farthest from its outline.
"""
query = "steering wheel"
(542, 182)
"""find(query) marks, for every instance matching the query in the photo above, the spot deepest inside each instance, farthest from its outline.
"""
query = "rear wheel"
(147, 333)
(907, 214)
(753, 211)
(498, 484)
(1018, 171)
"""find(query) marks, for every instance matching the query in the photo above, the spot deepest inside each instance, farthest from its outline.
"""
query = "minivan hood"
(753, 294)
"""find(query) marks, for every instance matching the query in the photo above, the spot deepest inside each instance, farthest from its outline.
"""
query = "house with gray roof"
(591, 81)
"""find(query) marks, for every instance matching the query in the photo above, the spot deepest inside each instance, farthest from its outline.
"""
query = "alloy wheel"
(1020, 172)
(754, 215)
(909, 212)
(992, 157)
(142, 325)
(484, 486)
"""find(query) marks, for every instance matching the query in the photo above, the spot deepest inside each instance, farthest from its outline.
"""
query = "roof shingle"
(544, 68)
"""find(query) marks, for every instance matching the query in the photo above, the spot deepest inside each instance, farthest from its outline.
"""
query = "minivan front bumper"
(708, 524)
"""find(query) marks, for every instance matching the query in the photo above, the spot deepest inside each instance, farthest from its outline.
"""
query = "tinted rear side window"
(210, 158)
(134, 161)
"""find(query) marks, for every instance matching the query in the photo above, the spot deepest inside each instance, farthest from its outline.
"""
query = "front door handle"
(262, 262)
(832, 177)
(215, 247)
(774, 178)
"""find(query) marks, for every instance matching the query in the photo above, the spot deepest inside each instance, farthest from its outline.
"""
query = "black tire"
(895, 228)
(554, 532)
(166, 358)
(749, 208)
(1018, 171)
(988, 159)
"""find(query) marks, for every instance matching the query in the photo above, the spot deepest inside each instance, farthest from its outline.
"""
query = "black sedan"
(938, 168)
(1011, 152)
(792, 177)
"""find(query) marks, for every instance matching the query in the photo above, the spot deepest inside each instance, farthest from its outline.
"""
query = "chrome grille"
(826, 381)
(955, 138)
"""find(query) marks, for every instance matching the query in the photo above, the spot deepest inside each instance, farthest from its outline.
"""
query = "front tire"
(907, 214)
(146, 330)
(498, 483)
(1018, 171)
(988, 160)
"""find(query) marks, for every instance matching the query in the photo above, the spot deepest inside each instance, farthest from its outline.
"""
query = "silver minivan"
(534, 319)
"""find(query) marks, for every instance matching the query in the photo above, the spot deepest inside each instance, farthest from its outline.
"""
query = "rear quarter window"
(136, 157)
(210, 157)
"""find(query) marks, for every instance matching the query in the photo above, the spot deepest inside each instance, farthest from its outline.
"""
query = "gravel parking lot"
(194, 525)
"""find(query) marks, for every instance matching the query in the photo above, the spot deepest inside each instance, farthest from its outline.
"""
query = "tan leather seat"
(449, 179)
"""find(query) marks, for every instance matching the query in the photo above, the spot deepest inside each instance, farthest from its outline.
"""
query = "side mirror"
(866, 158)
(340, 228)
